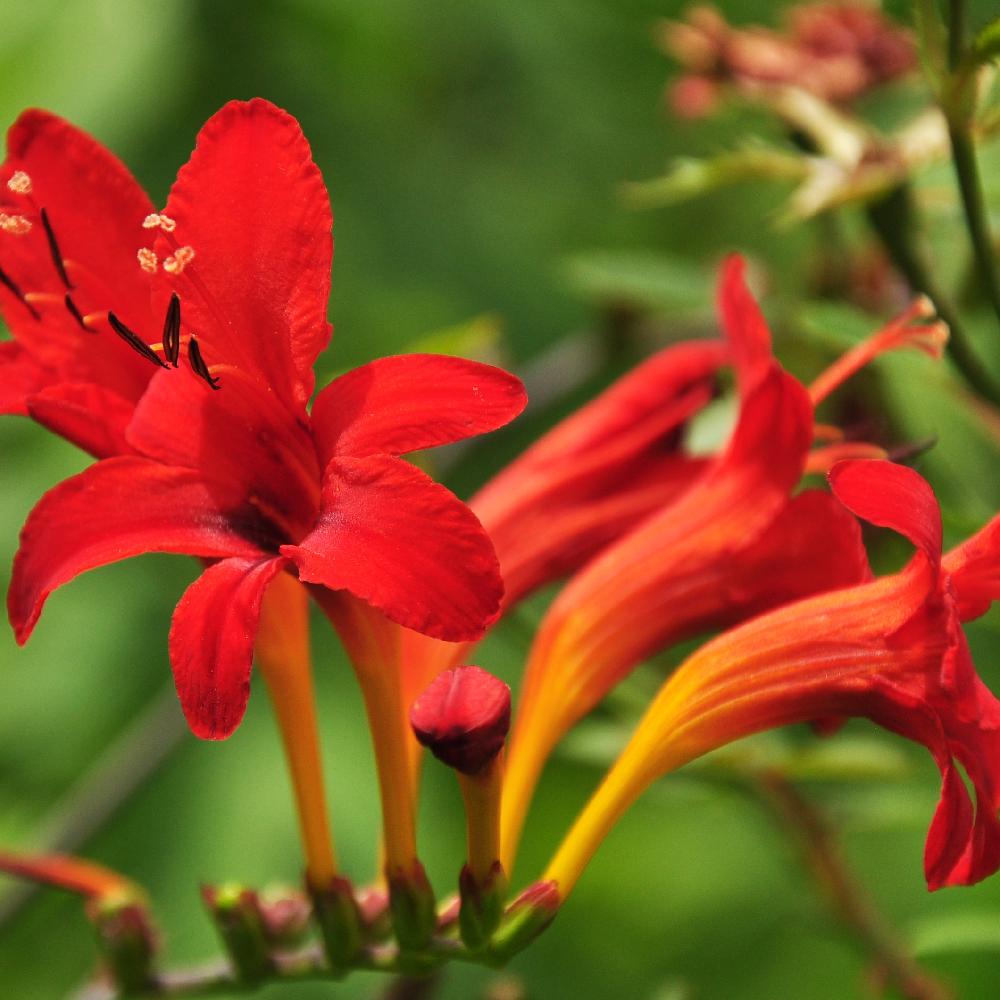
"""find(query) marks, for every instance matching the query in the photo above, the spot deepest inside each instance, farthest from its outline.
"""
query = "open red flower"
(891, 650)
(71, 220)
(224, 461)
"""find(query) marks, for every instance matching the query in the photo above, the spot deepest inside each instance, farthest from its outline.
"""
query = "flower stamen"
(198, 365)
(15, 289)
(148, 260)
(74, 311)
(172, 331)
(19, 183)
(157, 220)
(134, 341)
(16, 225)
(57, 257)
(180, 258)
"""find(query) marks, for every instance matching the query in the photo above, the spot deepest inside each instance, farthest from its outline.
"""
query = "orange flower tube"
(891, 650)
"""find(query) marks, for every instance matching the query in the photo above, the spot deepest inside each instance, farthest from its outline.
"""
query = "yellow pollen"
(147, 260)
(182, 256)
(157, 220)
(18, 225)
(19, 183)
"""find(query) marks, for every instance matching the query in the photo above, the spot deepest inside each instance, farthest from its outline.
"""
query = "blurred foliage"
(475, 153)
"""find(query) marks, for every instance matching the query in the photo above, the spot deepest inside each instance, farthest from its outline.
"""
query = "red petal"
(118, 508)
(639, 399)
(400, 404)
(90, 417)
(743, 323)
(398, 540)
(211, 643)
(241, 435)
(599, 471)
(96, 209)
(891, 496)
(252, 205)
(974, 567)
(813, 545)
(20, 376)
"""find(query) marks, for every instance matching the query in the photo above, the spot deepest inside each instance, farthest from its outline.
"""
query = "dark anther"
(15, 289)
(198, 365)
(172, 330)
(54, 250)
(132, 339)
(75, 312)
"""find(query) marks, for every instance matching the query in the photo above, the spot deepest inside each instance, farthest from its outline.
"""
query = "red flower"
(588, 481)
(733, 544)
(245, 477)
(70, 224)
(891, 650)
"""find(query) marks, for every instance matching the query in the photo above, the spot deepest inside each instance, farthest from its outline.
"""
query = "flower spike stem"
(413, 906)
(958, 105)
(237, 916)
(894, 220)
(481, 905)
(526, 918)
(127, 941)
(336, 911)
(283, 656)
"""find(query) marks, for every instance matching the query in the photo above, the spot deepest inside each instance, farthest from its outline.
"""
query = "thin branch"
(849, 899)
(893, 219)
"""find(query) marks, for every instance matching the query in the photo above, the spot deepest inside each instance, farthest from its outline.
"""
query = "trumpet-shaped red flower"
(220, 458)
(733, 544)
(891, 650)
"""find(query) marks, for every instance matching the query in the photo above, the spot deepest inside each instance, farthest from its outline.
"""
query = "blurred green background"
(473, 152)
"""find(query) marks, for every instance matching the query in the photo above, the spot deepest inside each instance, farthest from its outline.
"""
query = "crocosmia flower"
(891, 650)
(203, 322)
(71, 223)
(735, 543)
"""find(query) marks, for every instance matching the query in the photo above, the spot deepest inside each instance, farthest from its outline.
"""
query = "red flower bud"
(463, 718)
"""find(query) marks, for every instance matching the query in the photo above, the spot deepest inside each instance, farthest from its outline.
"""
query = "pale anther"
(147, 260)
(18, 225)
(19, 183)
(157, 220)
(176, 263)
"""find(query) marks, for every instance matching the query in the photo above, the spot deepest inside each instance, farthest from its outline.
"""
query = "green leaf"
(973, 931)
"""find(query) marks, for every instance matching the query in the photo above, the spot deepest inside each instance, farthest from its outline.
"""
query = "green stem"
(956, 33)
(893, 219)
(974, 207)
